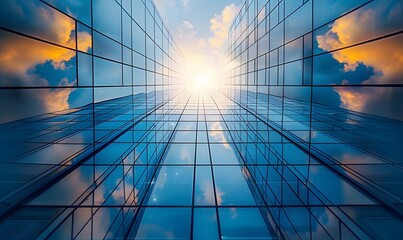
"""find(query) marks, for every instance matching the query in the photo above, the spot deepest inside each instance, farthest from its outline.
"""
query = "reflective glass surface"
(302, 140)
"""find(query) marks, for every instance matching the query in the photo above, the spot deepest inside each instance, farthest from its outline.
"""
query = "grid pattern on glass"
(202, 183)
(302, 142)
(73, 80)
(318, 86)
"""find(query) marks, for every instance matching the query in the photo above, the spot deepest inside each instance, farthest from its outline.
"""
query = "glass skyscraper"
(303, 139)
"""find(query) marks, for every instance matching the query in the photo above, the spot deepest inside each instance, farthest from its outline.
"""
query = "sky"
(200, 28)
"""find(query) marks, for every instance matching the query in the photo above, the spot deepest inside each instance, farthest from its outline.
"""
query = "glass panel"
(157, 223)
(28, 18)
(107, 25)
(173, 186)
(111, 78)
(204, 189)
(242, 223)
(231, 187)
(205, 224)
(107, 48)
(180, 154)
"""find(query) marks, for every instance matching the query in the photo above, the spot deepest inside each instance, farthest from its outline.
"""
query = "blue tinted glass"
(100, 139)
(223, 154)
(202, 154)
(109, 26)
(180, 154)
(231, 187)
(157, 223)
(205, 224)
(242, 223)
(204, 187)
(173, 186)
(112, 78)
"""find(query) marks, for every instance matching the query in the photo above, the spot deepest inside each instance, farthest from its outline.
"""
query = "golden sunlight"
(201, 80)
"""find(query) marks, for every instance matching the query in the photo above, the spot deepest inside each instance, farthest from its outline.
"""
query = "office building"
(99, 140)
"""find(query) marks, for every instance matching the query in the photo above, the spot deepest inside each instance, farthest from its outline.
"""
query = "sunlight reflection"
(200, 74)
(200, 81)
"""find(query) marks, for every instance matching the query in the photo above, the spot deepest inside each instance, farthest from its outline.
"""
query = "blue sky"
(197, 12)
(199, 28)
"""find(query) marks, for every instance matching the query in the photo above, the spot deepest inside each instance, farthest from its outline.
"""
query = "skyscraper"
(100, 140)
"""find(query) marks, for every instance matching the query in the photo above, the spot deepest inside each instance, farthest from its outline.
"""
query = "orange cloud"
(351, 98)
(219, 195)
(202, 54)
(60, 25)
(384, 56)
(220, 25)
(57, 99)
(19, 54)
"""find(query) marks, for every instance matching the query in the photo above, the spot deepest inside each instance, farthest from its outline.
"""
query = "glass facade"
(98, 139)
(85, 90)
(317, 114)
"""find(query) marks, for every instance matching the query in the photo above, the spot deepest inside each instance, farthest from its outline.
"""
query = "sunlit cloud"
(84, 41)
(20, 54)
(351, 98)
(384, 56)
(208, 194)
(219, 195)
(246, 173)
(118, 194)
(218, 134)
(233, 213)
(202, 54)
(57, 99)
(220, 25)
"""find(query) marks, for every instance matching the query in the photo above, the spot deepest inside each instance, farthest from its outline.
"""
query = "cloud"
(202, 53)
(384, 56)
(185, 155)
(220, 25)
(219, 195)
(186, 4)
(198, 55)
(165, 6)
(84, 41)
(218, 134)
(19, 55)
(186, 31)
(57, 99)
(208, 194)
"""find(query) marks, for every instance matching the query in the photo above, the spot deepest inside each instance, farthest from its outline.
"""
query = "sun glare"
(201, 73)
(201, 82)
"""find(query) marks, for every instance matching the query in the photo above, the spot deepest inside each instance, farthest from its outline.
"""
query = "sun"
(201, 82)
(200, 73)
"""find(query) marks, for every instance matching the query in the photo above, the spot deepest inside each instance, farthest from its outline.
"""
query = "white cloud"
(202, 54)
(220, 24)
(186, 4)
(164, 6)
(186, 31)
